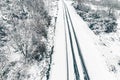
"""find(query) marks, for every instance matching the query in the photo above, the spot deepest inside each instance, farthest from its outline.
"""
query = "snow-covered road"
(75, 54)
(58, 67)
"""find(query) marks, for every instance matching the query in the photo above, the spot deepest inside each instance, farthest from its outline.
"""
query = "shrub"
(99, 21)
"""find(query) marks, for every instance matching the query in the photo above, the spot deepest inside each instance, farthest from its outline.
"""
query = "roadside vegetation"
(102, 18)
(24, 43)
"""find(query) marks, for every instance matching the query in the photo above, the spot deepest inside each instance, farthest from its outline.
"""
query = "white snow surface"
(58, 71)
(94, 61)
(109, 45)
(95, 64)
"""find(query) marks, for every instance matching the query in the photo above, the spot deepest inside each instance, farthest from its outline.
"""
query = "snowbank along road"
(75, 56)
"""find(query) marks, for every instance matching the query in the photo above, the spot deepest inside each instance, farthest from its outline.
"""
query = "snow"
(109, 45)
(110, 51)
(94, 61)
(93, 57)
(58, 67)
(25, 48)
(96, 7)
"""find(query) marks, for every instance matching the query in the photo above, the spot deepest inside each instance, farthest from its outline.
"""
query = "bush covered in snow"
(23, 39)
(98, 20)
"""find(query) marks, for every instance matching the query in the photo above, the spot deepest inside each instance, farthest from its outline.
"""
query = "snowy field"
(108, 43)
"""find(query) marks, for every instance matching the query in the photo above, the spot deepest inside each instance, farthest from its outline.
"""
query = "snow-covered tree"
(23, 38)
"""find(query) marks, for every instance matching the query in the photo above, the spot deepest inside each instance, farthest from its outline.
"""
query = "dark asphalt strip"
(86, 75)
(77, 76)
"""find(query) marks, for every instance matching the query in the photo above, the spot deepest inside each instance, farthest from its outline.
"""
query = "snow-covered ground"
(58, 66)
(27, 42)
(26, 39)
(94, 60)
(108, 44)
